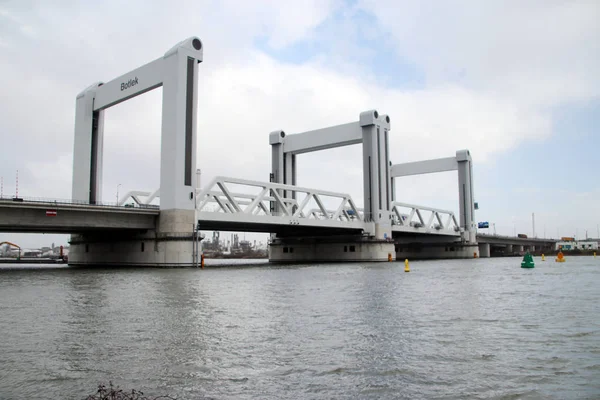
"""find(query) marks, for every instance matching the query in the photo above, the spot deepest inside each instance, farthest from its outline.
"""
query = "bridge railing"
(349, 214)
(413, 217)
(240, 196)
(56, 202)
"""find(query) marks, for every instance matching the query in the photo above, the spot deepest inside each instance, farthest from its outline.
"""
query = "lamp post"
(118, 194)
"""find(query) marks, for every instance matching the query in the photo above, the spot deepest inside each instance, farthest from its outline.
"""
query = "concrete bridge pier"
(436, 251)
(484, 250)
(172, 244)
(330, 249)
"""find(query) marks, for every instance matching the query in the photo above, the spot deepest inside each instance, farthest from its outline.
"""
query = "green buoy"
(527, 261)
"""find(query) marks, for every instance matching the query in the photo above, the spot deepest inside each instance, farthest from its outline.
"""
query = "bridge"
(508, 245)
(46, 216)
(306, 224)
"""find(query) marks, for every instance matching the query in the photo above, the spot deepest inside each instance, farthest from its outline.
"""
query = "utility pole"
(533, 224)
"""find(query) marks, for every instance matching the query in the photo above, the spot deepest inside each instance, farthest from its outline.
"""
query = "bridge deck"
(277, 224)
(54, 217)
(510, 240)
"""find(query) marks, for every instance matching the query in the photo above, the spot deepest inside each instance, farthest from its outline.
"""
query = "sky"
(514, 82)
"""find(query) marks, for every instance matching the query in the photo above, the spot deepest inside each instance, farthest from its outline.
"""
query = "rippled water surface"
(447, 330)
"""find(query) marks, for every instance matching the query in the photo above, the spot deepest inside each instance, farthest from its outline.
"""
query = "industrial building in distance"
(233, 248)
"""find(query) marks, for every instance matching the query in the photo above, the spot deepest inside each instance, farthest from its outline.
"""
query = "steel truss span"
(411, 218)
(241, 203)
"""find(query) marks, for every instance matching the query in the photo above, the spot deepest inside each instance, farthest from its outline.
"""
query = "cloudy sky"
(515, 82)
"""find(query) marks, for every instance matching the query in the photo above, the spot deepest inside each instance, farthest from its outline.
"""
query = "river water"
(447, 330)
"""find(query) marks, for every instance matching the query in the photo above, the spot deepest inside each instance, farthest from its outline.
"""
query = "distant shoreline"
(32, 261)
(553, 253)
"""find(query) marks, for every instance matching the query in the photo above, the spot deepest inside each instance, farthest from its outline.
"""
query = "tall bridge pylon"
(462, 163)
(177, 73)
(372, 131)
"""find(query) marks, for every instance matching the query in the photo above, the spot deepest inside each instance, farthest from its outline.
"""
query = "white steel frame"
(372, 131)
(403, 222)
(139, 197)
(229, 206)
(177, 73)
(462, 163)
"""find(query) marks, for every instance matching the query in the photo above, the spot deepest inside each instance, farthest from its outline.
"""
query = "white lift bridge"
(278, 206)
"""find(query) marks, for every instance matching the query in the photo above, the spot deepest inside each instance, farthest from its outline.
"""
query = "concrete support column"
(376, 172)
(430, 251)
(178, 138)
(466, 196)
(330, 250)
(385, 188)
(178, 155)
(87, 148)
(484, 250)
(289, 174)
(277, 164)
(371, 178)
(509, 248)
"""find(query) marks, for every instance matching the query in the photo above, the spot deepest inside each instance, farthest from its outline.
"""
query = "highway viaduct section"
(306, 224)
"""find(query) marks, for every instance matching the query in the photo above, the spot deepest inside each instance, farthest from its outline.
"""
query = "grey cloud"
(540, 53)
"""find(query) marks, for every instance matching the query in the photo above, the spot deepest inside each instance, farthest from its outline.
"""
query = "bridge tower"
(441, 247)
(170, 244)
(372, 131)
